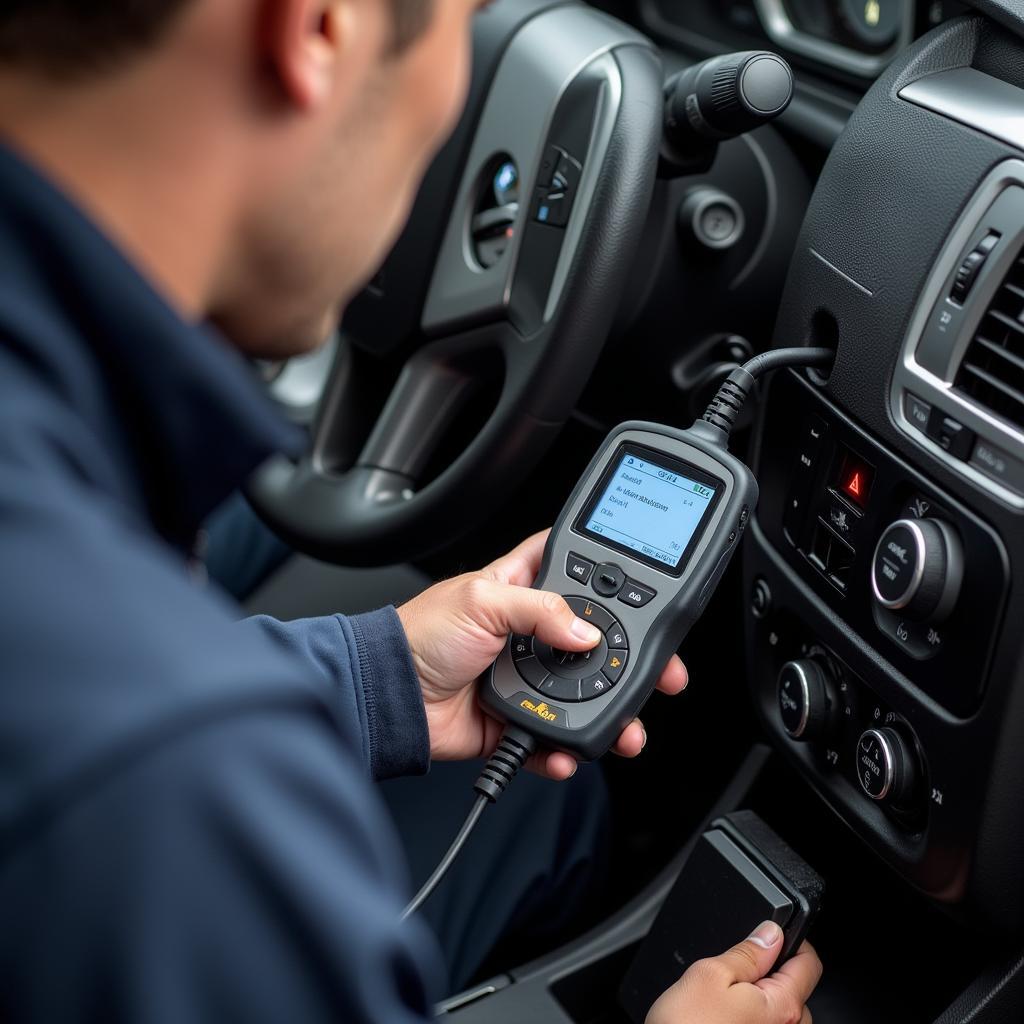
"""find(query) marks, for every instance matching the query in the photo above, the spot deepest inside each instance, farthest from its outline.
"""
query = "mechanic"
(190, 831)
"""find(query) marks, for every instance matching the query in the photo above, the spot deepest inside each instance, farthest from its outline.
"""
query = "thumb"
(546, 615)
(751, 959)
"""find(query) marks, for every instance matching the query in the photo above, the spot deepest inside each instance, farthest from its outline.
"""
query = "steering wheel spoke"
(429, 394)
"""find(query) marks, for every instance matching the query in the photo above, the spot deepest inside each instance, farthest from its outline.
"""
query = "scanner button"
(594, 686)
(558, 688)
(570, 664)
(635, 594)
(616, 636)
(521, 646)
(532, 671)
(608, 579)
(578, 568)
(591, 612)
(614, 664)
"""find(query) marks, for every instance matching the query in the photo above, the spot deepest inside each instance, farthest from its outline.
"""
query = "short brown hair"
(69, 38)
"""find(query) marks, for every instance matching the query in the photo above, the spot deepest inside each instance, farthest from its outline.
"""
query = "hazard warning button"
(855, 479)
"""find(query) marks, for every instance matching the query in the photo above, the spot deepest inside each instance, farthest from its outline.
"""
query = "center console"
(881, 572)
(876, 601)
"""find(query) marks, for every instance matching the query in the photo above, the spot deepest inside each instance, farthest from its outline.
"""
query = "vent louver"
(992, 372)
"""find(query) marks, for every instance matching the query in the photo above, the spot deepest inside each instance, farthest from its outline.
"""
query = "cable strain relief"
(724, 409)
(514, 747)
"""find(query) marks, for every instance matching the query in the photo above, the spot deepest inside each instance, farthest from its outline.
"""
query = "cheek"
(456, 81)
(439, 83)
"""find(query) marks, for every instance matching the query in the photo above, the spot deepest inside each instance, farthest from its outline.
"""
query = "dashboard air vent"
(992, 372)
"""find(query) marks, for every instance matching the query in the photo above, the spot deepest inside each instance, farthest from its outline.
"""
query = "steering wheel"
(510, 271)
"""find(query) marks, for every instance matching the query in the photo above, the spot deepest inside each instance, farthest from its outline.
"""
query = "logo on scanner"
(540, 710)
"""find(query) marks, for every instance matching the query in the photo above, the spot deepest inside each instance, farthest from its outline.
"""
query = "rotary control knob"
(886, 767)
(808, 701)
(917, 568)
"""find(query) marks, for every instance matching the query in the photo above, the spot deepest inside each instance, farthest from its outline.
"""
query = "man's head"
(280, 141)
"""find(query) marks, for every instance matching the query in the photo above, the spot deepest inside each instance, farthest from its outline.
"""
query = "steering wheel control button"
(578, 568)
(558, 688)
(886, 767)
(614, 664)
(636, 594)
(531, 670)
(567, 175)
(917, 569)
(552, 155)
(551, 209)
(807, 700)
(591, 612)
(608, 579)
(553, 201)
(521, 646)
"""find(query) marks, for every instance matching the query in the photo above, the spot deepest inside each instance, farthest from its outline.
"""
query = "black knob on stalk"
(718, 99)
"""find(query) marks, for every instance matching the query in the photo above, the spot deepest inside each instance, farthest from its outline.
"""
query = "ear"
(312, 44)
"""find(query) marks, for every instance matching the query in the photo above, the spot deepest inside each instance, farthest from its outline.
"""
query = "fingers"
(545, 615)
(631, 740)
(675, 677)
(522, 564)
(751, 959)
(801, 973)
(552, 764)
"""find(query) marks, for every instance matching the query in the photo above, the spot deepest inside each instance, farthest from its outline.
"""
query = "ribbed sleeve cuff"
(395, 716)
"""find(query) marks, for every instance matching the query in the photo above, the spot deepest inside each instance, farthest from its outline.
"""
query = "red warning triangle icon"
(853, 487)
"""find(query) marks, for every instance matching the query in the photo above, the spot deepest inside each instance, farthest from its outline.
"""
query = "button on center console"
(886, 767)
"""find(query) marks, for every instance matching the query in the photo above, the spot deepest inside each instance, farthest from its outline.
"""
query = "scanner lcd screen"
(652, 509)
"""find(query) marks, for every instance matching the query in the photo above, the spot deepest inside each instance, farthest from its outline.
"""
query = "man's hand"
(459, 626)
(732, 988)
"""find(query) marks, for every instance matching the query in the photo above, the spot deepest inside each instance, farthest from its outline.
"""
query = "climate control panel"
(917, 576)
(823, 706)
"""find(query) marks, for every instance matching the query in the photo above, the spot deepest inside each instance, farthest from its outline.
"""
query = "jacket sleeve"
(239, 871)
(371, 680)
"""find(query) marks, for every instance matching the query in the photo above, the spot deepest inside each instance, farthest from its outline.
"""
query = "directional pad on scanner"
(574, 675)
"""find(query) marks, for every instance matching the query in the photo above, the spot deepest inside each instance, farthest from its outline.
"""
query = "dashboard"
(847, 40)
(880, 572)
(882, 216)
(881, 576)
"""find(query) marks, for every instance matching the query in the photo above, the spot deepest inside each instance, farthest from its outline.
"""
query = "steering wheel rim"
(593, 86)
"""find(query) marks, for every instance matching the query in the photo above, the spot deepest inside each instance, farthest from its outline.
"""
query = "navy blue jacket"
(188, 828)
